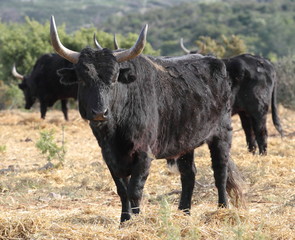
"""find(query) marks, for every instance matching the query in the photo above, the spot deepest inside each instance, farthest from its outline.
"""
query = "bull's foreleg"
(187, 169)
(248, 129)
(121, 184)
(219, 149)
(43, 109)
(64, 108)
(139, 174)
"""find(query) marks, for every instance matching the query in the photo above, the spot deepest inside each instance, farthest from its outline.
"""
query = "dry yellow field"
(79, 200)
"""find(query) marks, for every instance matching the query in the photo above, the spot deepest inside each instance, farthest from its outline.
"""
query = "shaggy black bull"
(43, 84)
(140, 106)
(253, 90)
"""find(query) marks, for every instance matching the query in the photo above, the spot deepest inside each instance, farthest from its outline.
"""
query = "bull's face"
(97, 74)
(29, 98)
(26, 87)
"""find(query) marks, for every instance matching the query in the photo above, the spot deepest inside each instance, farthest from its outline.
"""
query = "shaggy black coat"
(43, 84)
(161, 107)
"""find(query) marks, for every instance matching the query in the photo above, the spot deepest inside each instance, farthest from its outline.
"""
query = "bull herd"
(142, 107)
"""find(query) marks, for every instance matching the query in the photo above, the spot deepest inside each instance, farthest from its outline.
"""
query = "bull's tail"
(234, 185)
(274, 111)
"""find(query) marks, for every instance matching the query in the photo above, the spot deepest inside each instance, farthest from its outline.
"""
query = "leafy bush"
(285, 68)
(10, 96)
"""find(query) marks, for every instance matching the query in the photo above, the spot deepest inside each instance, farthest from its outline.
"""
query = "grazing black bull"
(140, 106)
(253, 90)
(43, 84)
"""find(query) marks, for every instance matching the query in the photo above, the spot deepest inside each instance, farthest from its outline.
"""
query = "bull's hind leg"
(187, 171)
(219, 149)
(248, 129)
(260, 130)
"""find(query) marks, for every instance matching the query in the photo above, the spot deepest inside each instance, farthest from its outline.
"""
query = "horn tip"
(52, 18)
(146, 26)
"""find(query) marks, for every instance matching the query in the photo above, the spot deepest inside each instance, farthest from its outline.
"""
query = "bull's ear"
(125, 76)
(67, 76)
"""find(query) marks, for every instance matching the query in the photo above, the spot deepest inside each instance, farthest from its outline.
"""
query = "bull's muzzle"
(100, 116)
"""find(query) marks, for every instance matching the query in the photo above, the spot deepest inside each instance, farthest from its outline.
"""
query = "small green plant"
(2, 148)
(168, 229)
(47, 145)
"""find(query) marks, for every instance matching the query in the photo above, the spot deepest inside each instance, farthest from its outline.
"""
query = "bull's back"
(197, 99)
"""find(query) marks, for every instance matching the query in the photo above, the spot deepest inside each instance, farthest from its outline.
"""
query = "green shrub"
(10, 96)
(47, 145)
(285, 68)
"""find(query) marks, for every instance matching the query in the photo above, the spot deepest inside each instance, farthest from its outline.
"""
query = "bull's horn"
(96, 42)
(64, 52)
(135, 50)
(16, 74)
(116, 45)
(183, 47)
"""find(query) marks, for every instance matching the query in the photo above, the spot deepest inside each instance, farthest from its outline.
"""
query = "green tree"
(226, 47)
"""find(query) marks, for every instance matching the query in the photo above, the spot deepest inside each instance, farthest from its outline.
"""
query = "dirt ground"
(78, 200)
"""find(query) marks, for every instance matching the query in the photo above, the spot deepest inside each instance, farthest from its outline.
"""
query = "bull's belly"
(177, 146)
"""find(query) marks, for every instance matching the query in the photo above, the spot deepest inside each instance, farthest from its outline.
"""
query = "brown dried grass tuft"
(79, 200)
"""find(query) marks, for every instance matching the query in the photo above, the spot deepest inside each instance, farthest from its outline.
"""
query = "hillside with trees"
(220, 27)
(267, 28)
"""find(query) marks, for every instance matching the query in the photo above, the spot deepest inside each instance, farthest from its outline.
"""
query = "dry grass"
(79, 200)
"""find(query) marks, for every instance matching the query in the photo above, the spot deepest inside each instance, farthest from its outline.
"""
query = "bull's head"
(98, 72)
(25, 87)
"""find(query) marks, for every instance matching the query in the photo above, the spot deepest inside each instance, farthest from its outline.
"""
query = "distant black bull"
(43, 84)
(140, 106)
(254, 89)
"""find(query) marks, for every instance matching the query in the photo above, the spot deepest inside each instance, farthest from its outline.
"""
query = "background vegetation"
(222, 27)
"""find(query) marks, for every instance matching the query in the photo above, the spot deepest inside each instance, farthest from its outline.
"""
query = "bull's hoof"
(125, 217)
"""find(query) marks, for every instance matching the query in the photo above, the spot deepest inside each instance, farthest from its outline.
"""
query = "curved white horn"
(96, 42)
(135, 50)
(116, 45)
(64, 52)
(16, 74)
(183, 47)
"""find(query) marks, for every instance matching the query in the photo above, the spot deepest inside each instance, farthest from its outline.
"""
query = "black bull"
(43, 84)
(140, 106)
(253, 90)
